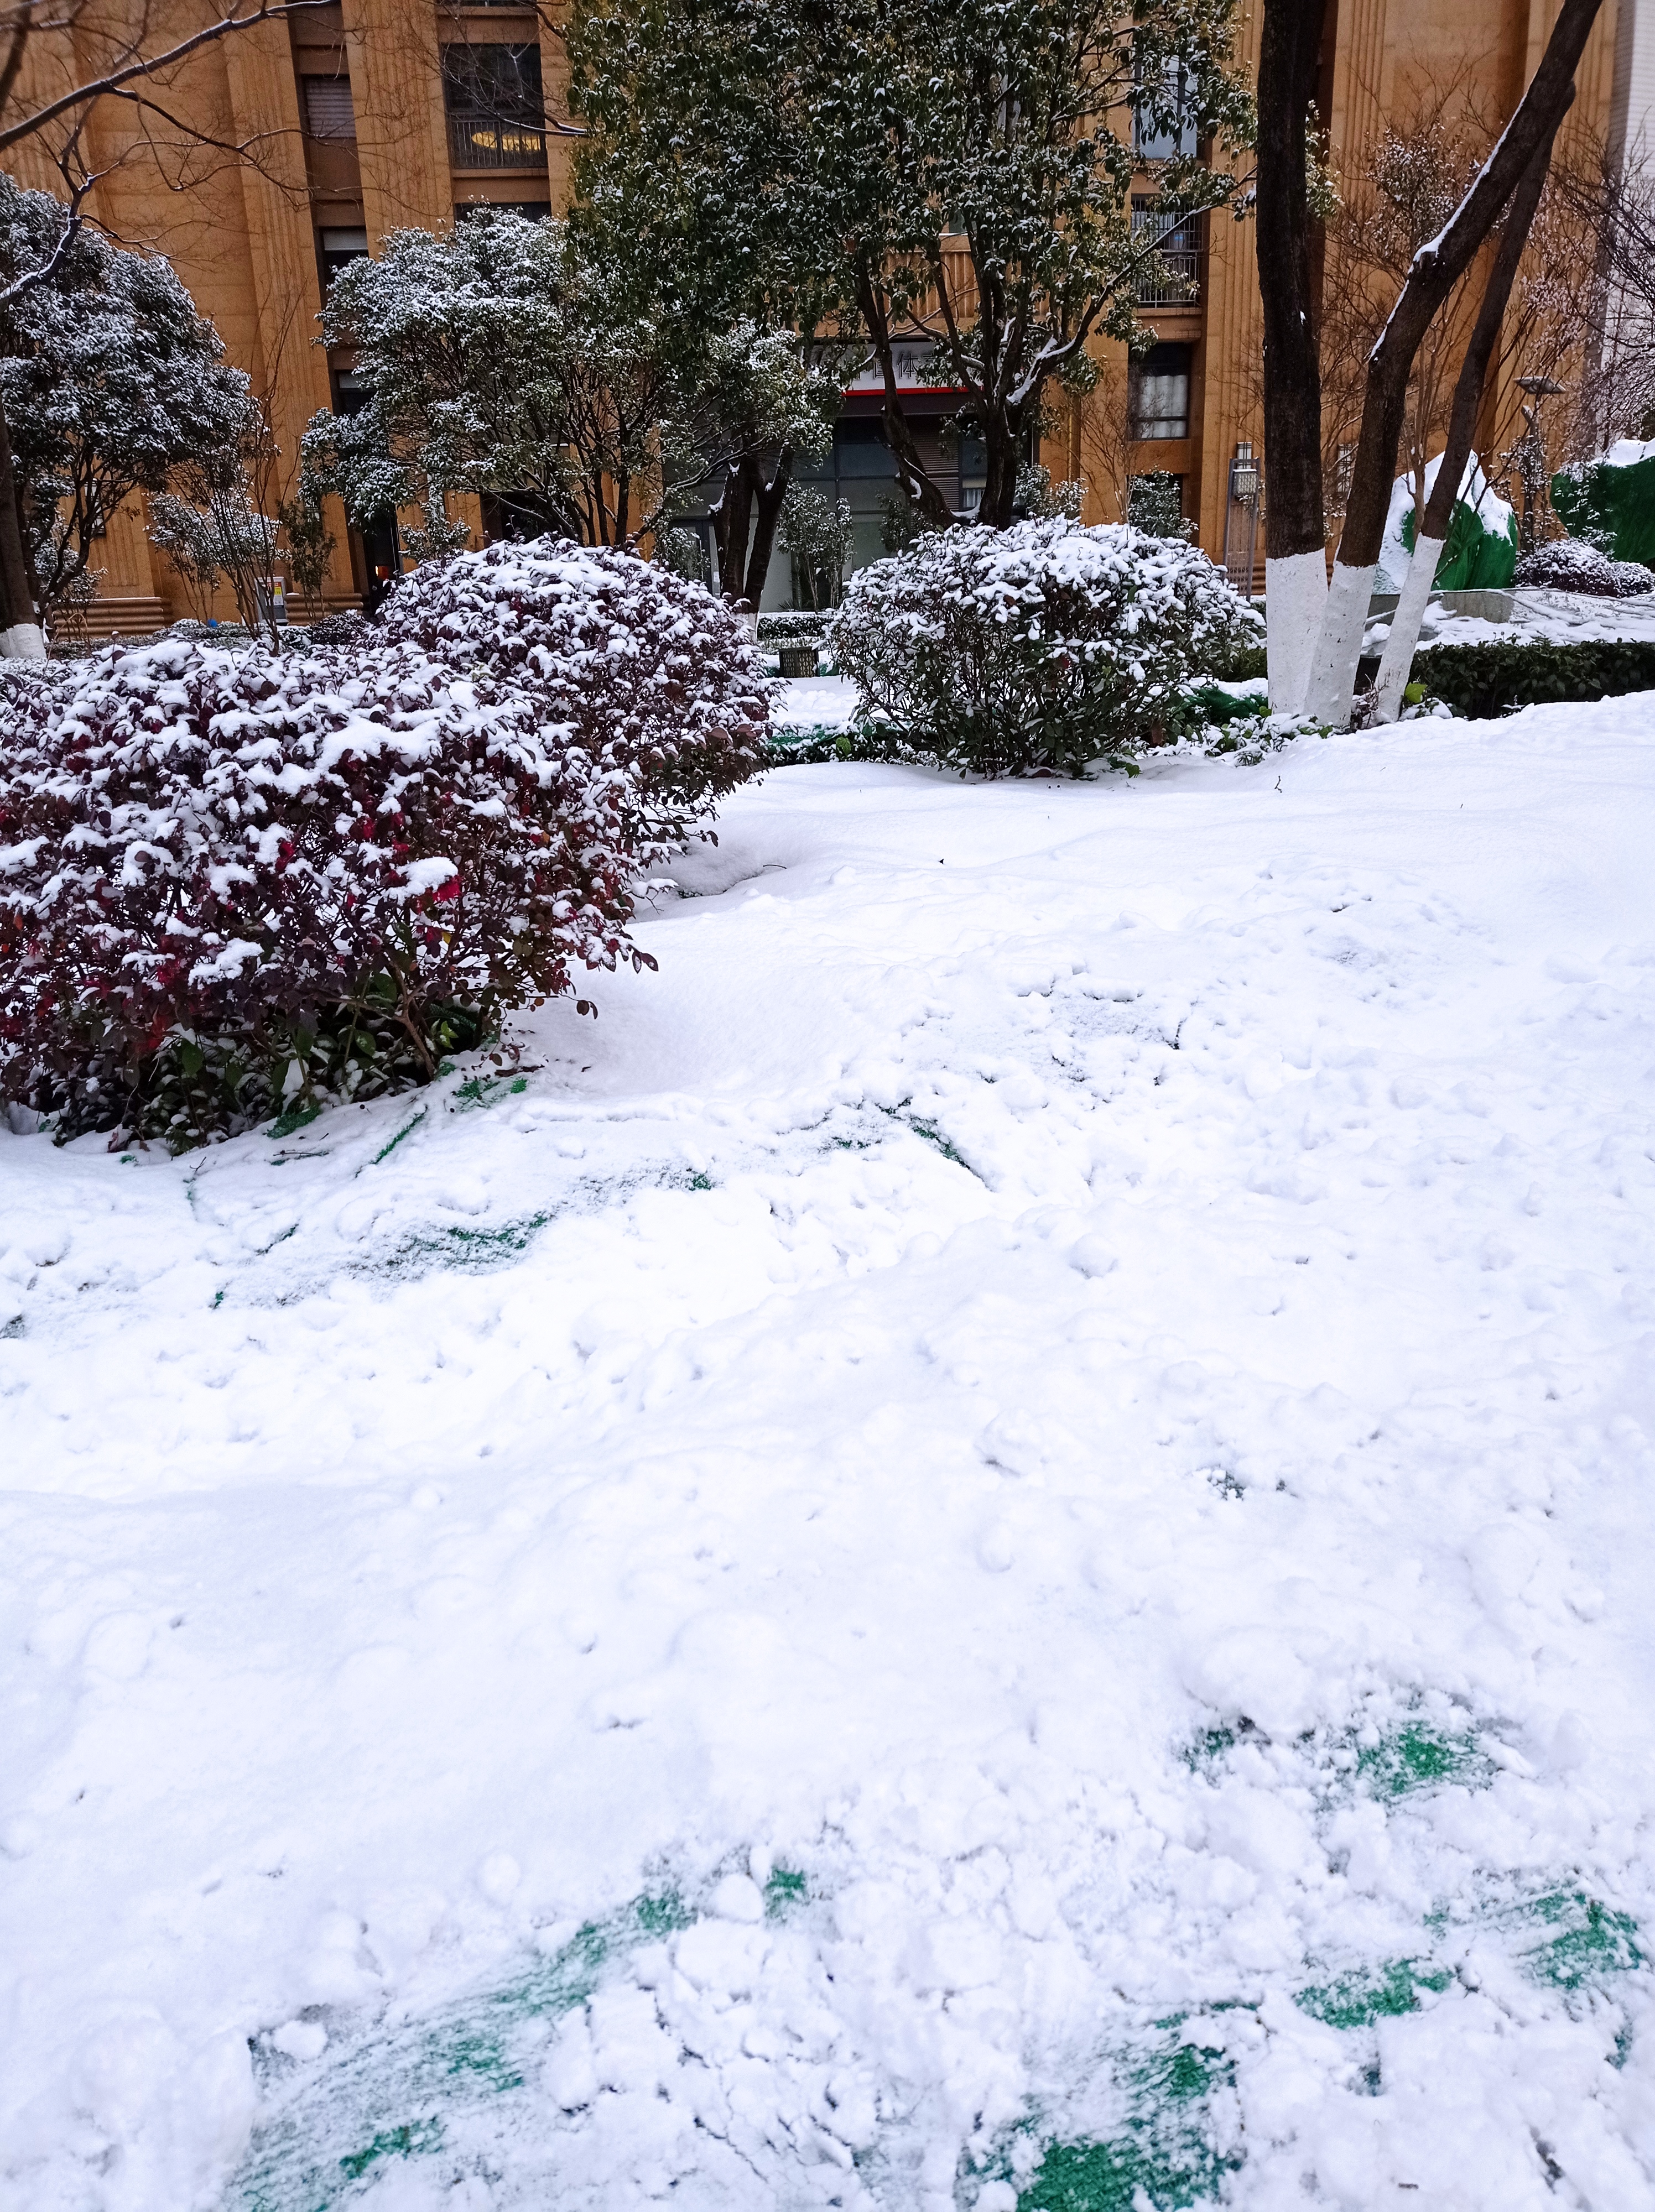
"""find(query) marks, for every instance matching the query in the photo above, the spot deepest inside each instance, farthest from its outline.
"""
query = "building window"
(337, 249)
(1160, 392)
(497, 107)
(1164, 128)
(1179, 240)
(531, 210)
(329, 110)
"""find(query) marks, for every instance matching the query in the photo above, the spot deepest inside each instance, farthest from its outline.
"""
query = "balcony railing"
(485, 141)
(1174, 278)
(1174, 283)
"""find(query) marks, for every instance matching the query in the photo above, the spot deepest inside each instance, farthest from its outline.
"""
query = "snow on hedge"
(270, 850)
(1049, 645)
(1570, 564)
(645, 669)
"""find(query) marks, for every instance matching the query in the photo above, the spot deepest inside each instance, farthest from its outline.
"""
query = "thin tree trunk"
(731, 518)
(1295, 567)
(20, 635)
(1437, 267)
(917, 483)
(767, 512)
(1435, 514)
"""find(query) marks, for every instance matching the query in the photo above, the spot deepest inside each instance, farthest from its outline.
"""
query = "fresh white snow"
(1538, 612)
(1010, 1508)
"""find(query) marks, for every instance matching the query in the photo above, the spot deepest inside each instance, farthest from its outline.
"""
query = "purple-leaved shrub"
(233, 881)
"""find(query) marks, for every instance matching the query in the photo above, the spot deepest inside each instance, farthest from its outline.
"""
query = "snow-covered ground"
(1559, 618)
(815, 702)
(993, 1545)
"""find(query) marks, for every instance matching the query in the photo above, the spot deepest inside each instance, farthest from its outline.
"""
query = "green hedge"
(1615, 508)
(1481, 682)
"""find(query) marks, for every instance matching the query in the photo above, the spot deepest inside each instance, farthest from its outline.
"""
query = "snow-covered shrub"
(1155, 503)
(1045, 646)
(228, 880)
(1570, 564)
(649, 672)
(794, 628)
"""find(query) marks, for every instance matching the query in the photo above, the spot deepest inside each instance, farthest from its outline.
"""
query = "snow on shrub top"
(1570, 564)
(1049, 644)
(451, 812)
(629, 660)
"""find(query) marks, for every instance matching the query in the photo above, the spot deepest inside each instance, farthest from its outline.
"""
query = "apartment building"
(370, 115)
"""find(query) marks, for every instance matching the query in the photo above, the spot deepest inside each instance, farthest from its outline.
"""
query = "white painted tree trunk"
(23, 642)
(1398, 655)
(1295, 592)
(1339, 646)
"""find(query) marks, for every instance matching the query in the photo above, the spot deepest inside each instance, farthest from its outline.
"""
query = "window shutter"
(329, 110)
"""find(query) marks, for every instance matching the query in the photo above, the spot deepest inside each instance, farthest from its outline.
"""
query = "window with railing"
(1171, 278)
(496, 105)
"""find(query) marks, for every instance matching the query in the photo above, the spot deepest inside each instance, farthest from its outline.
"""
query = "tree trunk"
(1437, 269)
(1435, 514)
(911, 474)
(20, 635)
(1295, 567)
(767, 512)
(732, 519)
(1002, 448)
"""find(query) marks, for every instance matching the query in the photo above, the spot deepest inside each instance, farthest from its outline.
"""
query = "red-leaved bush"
(229, 878)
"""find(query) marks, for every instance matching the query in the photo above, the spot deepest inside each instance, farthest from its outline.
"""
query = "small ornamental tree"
(523, 362)
(1045, 646)
(233, 879)
(109, 380)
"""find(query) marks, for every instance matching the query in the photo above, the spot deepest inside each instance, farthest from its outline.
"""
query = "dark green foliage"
(1236, 661)
(1573, 1940)
(1614, 508)
(1418, 1757)
(1366, 1994)
(1154, 504)
(1483, 682)
(800, 629)
(1043, 646)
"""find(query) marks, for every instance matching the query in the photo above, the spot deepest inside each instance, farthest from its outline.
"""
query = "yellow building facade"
(365, 116)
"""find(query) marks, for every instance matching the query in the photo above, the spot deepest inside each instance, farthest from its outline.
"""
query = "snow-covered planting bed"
(1559, 618)
(994, 1544)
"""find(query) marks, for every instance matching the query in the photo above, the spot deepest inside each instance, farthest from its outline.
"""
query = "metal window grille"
(1173, 279)
(485, 141)
(496, 106)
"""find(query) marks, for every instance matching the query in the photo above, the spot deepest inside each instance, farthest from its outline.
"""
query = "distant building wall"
(356, 139)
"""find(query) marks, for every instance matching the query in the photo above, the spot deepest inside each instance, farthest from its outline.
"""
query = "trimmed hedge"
(798, 627)
(1483, 682)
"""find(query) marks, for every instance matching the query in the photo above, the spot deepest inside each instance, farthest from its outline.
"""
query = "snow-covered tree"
(111, 382)
(817, 534)
(758, 407)
(947, 175)
(526, 363)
